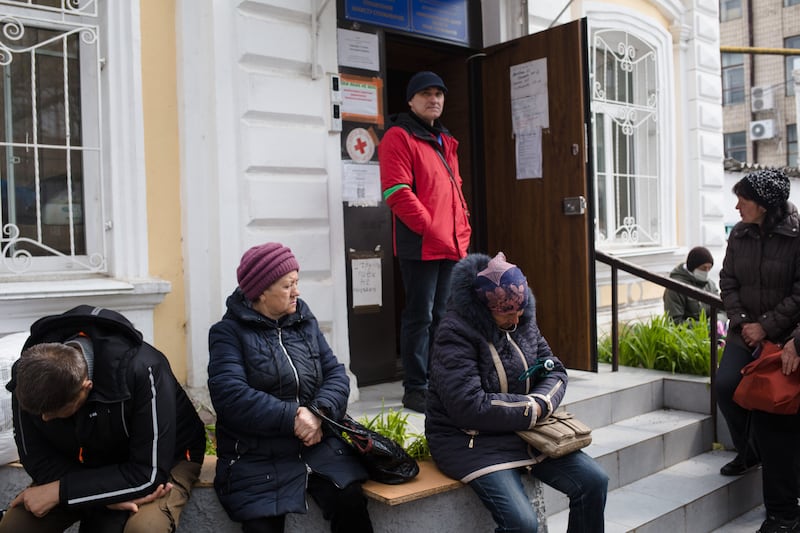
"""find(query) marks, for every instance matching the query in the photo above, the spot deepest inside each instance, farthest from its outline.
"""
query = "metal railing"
(712, 300)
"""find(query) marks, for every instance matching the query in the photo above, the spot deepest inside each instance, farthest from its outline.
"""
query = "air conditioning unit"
(762, 129)
(762, 99)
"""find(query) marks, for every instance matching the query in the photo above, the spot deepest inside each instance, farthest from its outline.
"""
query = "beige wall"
(163, 176)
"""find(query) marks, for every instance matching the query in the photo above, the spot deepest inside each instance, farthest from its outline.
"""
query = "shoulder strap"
(498, 365)
(351, 426)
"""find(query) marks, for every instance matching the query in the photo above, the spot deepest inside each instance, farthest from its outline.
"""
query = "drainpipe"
(753, 144)
(315, 38)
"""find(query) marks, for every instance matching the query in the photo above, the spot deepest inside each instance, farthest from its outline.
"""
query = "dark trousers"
(345, 508)
(427, 288)
(777, 439)
(735, 356)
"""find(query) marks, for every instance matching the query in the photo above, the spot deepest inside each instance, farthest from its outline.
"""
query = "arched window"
(632, 131)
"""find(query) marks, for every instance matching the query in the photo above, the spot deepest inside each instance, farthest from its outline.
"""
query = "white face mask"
(700, 275)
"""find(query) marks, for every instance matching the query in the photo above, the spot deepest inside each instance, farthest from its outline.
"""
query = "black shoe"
(779, 525)
(415, 400)
(738, 466)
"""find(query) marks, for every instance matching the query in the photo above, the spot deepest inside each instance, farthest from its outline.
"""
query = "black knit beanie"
(698, 256)
(768, 187)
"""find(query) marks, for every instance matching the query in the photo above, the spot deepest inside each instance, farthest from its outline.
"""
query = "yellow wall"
(162, 163)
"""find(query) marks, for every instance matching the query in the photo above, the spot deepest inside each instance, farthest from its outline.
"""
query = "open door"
(545, 224)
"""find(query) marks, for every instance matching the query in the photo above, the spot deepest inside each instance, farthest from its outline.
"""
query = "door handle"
(574, 205)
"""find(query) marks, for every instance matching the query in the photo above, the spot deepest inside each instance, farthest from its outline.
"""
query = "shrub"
(661, 344)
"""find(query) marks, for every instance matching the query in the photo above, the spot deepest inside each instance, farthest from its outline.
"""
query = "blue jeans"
(427, 288)
(577, 475)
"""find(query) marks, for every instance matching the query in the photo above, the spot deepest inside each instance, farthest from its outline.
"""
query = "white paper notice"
(361, 184)
(367, 286)
(358, 50)
(530, 113)
(529, 105)
(529, 154)
(359, 98)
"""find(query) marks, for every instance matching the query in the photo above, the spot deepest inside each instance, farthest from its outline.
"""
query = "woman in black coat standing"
(269, 362)
(760, 284)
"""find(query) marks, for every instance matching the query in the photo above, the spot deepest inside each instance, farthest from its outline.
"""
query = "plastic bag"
(10, 349)
(385, 460)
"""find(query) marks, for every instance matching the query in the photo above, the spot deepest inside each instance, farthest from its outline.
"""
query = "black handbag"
(385, 460)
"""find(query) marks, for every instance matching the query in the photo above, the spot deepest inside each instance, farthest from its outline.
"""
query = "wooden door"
(527, 218)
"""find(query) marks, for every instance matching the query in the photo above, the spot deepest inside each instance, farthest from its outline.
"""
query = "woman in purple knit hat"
(269, 364)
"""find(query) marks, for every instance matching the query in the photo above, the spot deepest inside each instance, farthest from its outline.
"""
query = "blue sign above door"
(444, 19)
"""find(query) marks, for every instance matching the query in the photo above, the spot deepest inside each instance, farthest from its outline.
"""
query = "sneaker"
(779, 525)
(415, 400)
(738, 466)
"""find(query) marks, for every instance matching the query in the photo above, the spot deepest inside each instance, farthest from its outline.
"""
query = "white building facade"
(261, 158)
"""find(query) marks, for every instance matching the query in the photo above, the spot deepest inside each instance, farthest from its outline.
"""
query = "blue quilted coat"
(260, 370)
(470, 424)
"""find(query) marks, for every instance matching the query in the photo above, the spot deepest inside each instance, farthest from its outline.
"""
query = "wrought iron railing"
(712, 300)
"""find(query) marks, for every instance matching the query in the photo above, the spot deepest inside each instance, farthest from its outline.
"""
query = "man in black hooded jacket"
(103, 428)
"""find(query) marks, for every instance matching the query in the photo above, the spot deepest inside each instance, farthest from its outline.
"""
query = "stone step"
(639, 446)
(688, 497)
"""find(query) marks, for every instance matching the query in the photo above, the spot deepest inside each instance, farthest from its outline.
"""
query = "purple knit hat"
(263, 265)
(501, 285)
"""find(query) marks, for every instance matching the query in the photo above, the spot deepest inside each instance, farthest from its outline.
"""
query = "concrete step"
(746, 523)
(640, 446)
(688, 497)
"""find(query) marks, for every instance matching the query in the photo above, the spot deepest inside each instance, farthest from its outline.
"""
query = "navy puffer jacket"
(259, 372)
(470, 424)
(760, 277)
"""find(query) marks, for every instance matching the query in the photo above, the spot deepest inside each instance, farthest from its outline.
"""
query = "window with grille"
(732, 79)
(626, 132)
(791, 145)
(50, 149)
(736, 146)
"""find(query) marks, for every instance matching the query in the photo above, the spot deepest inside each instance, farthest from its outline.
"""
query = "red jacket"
(431, 220)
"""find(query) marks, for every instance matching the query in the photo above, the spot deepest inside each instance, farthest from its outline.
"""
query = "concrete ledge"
(430, 502)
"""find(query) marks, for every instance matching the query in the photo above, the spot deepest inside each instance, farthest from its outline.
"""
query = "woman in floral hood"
(489, 342)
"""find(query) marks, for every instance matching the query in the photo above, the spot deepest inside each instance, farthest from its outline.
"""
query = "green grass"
(660, 344)
(394, 424)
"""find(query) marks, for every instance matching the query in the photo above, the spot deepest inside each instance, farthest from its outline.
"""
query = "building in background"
(758, 95)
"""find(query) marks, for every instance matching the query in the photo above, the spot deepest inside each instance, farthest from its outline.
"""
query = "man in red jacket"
(422, 186)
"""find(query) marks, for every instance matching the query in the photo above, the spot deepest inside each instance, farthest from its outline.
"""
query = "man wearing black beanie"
(422, 186)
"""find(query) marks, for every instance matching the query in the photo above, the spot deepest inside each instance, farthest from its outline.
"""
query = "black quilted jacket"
(760, 277)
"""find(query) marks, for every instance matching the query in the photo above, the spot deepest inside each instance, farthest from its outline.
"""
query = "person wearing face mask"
(487, 343)
(760, 285)
(694, 272)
